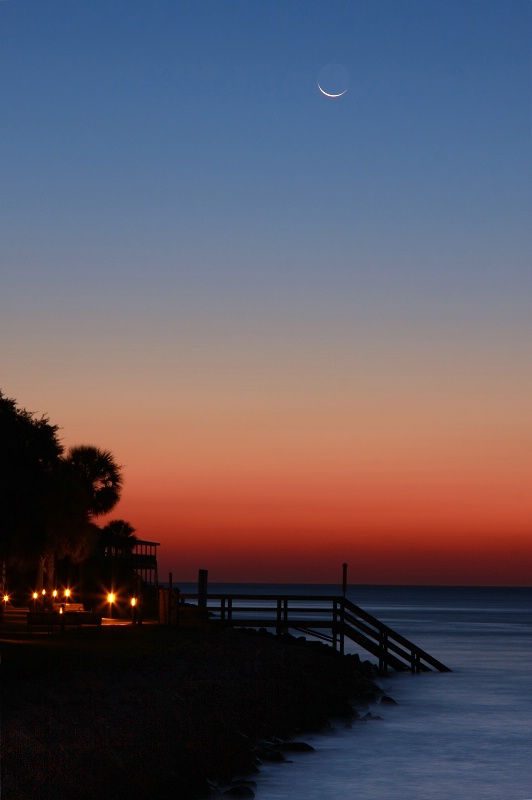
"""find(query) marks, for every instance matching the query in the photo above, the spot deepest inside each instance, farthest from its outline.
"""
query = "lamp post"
(134, 608)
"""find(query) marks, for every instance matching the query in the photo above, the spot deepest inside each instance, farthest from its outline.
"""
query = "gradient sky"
(302, 325)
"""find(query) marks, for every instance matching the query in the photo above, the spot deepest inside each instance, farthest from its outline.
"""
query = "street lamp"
(133, 610)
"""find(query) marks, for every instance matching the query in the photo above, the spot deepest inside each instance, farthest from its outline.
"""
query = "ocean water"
(462, 734)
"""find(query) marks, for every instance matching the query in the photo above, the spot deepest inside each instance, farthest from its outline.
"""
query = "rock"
(388, 701)
(296, 747)
(274, 756)
(239, 791)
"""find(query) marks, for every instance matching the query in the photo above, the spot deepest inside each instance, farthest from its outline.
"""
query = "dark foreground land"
(153, 712)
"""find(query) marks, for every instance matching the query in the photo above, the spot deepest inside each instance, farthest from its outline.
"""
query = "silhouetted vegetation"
(49, 499)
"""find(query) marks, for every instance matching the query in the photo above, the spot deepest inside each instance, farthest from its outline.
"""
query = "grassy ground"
(153, 712)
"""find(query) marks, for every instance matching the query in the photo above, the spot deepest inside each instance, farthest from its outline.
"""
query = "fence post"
(202, 588)
(222, 609)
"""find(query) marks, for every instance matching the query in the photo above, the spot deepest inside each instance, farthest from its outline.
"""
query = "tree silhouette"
(30, 452)
(48, 500)
(88, 484)
(118, 538)
(70, 533)
(99, 476)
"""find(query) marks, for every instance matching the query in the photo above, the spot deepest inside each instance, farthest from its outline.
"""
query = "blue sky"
(167, 123)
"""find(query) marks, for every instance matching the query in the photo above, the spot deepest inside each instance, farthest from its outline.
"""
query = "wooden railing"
(331, 618)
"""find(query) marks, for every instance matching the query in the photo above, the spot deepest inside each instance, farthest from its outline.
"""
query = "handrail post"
(278, 628)
(335, 625)
(383, 656)
(415, 661)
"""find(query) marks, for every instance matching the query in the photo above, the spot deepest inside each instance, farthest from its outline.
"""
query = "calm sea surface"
(464, 734)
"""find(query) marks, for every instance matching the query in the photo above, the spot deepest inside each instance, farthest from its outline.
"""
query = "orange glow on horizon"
(268, 543)
(405, 505)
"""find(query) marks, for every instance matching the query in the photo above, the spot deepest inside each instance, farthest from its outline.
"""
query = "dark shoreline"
(158, 712)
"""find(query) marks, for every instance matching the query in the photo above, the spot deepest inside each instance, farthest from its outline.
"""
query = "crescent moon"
(327, 94)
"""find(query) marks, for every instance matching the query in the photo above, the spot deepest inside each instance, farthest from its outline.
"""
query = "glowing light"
(43, 592)
(6, 598)
(35, 595)
(54, 592)
(133, 601)
(111, 597)
(67, 592)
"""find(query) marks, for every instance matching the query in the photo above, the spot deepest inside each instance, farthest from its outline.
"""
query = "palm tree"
(117, 541)
(118, 537)
(69, 530)
(99, 475)
(85, 484)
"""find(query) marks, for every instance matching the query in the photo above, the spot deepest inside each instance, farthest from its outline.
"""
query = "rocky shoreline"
(157, 712)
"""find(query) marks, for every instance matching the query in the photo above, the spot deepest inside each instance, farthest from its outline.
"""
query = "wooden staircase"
(330, 618)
